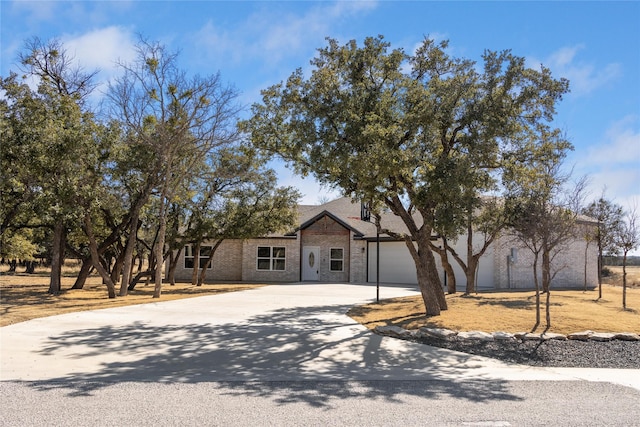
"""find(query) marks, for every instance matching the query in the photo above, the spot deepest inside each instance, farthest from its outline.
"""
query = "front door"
(311, 263)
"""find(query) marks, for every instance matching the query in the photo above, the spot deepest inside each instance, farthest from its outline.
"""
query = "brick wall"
(226, 264)
(358, 261)
(326, 242)
(569, 265)
(250, 272)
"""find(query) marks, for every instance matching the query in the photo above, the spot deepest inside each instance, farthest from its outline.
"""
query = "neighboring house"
(332, 244)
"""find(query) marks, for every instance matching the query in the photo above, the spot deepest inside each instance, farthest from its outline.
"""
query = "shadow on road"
(292, 355)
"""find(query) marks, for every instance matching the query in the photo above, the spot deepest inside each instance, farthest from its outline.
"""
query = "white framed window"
(205, 252)
(336, 259)
(271, 258)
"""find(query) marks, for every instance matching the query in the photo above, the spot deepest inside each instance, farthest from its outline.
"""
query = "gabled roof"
(346, 212)
(324, 213)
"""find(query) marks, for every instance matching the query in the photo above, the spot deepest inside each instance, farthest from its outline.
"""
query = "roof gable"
(326, 213)
(347, 212)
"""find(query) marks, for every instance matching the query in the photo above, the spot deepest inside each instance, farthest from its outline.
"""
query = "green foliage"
(169, 152)
(422, 134)
(363, 124)
(18, 245)
(46, 153)
(610, 217)
(238, 198)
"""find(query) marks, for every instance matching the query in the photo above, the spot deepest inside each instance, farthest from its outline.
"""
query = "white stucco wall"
(397, 266)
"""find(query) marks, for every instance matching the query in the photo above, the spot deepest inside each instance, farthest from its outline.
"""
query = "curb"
(447, 334)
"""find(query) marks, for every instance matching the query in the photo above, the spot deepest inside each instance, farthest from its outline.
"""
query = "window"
(337, 259)
(205, 252)
(188, 257)
(271, 258)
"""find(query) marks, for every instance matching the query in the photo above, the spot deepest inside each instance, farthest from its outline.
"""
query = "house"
(333, 244)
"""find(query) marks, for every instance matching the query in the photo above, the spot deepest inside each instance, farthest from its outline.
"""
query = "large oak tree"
(409, 133)
(48, 145)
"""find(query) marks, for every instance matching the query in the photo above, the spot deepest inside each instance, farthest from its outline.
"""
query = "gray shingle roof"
(347, 211)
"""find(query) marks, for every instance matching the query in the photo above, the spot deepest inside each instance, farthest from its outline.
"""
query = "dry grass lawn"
(633, 276)
(24, 297)
(571, 311)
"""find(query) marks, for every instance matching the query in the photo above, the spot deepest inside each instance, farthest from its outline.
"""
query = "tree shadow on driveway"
(307, 354)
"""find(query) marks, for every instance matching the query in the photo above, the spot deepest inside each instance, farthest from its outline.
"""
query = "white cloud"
(36, 11)
(101, 48)
(622, 185)
(312, 192)
(584, 77)
(614, 163)
(272, 35)
(619, 147)
(342, 8)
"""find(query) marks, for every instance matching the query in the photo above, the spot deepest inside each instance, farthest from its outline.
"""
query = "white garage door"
(396, 264)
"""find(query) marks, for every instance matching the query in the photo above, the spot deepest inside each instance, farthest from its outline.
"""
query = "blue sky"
(596, 45)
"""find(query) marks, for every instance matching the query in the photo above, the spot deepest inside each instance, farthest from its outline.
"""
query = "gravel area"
(554, 353)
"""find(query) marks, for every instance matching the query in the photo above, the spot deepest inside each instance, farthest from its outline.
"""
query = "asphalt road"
(279, 355)
(319, 403)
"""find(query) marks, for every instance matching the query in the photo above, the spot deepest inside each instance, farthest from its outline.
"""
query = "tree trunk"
(159, 258)
(599, 264)
(624, 280)
(203, 273)
(116, 271)
(31, 267)
(470, 271)
(195, 251)
(56, 257)
(134, 226)
(548, 310)
(173, 263)
(430, 299)
(428, 278)
(446, 265)
(95, 257)
(537, 286)
(162, 231)
(546, 270)
(137, 277)
(470, 274)
(127, 264)
(85, 270)
(452, 285)
(152, 267)
(586, 254)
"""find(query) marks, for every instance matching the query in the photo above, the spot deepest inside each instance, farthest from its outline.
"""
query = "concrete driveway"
(289, 332)
(282, 355)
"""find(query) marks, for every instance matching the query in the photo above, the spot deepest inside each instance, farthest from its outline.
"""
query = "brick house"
(332, 244)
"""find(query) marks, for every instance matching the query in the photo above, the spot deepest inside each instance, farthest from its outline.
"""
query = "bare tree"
(627, 238)
(543, 210)
(54, 66)
(181, 119)
(609, 216)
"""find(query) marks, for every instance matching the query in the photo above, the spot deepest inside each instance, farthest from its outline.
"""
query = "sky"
(255, 44)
